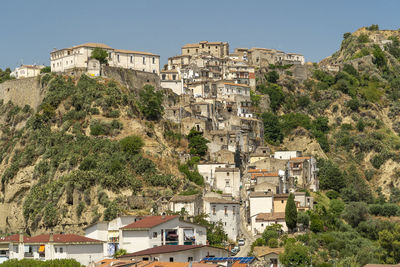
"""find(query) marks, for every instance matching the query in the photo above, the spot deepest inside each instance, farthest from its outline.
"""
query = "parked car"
(241, 242)
(235, 250)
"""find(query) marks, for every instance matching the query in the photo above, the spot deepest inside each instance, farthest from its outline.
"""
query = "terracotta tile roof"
(280, 196)
(32, 66)
(237, 84)
(220, 200)
(190, 45)
(162, 249)
(149, 222)
(264, 174)
(261, 194)
(262, 251)
(264, 217)
(167, 264)
(300, 158)
(61, 238)
(11, 238)
(124, 51)
(184, 199)
(94, 45)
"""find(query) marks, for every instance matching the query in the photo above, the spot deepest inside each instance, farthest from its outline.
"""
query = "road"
(249, 238)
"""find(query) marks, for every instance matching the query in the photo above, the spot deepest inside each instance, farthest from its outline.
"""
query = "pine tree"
(291, 213)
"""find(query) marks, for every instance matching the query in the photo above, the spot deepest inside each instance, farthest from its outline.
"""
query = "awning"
(41, 248)
(4, 247)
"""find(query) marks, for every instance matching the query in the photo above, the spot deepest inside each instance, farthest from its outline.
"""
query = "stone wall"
(21, 92)
(132, 79)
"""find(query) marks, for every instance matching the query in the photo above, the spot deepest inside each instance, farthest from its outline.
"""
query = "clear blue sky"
(30, 29)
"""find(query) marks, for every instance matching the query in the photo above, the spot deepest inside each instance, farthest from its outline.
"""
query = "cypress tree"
(291, 213)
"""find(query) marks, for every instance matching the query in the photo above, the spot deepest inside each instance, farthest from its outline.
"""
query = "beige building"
(217, 49)
(171, 79)
(228, 181)
(78, 56)
(26, 71)
(192, 205)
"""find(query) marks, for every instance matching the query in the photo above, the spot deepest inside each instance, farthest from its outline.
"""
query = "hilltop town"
(196, 161)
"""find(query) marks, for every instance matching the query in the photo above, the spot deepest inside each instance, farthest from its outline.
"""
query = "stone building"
(217, 49)
(192, 205)
(228, 181)
(77, 57)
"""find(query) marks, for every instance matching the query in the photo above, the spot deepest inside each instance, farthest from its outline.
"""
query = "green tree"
(131, 144)
(303, 218)
(216, 235)
(330, 176)
(272, 129)
(272, 76)
(197, 143)
(355, 212)
(150, 102)
(380, 58)
(295, 255)
(46, 69)
(120, 252)
(291, 213)
(275, 93)
(100, 54)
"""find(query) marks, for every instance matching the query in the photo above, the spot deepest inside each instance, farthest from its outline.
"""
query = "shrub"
(46, 69)
(80, 208)
(100, 54)
(269, 234)
(303, 101)
(355, 212)
(363, 38)
(112, 211)
(273, 243)
(272, 129)
(353, 104)
(131, 144)
(317, 225)
(304, 219)
(377, 160)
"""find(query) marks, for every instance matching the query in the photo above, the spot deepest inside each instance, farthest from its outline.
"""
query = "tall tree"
(100, 54)
(291, 213)
(197, 143)
(150, 102)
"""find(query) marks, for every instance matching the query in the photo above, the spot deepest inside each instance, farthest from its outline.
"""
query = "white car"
(241, 242)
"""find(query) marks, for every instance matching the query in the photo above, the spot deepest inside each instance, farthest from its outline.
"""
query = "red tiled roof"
(149, 222)
(256, 170)
(264, 174)
(11, 238)
(162, 249)
(61, 238)
(263, 217)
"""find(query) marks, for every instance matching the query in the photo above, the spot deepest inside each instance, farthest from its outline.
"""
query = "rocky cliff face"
(63, 166)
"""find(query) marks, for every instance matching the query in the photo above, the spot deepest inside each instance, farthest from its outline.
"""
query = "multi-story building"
(192, 205)
(225, 211)
(108, 232)
(217, 49)
(152, 231)
(54, 246)
(228, 181)
(77, 57)
(304, 172)
(26, 71)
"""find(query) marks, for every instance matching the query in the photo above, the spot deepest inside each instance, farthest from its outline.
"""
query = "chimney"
(51, 237)
(21, 235)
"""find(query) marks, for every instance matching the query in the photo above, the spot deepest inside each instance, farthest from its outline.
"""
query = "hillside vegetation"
(348, 119)
(92, 151)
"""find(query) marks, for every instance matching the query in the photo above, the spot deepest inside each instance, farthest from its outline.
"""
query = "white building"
(154, 231)
(108, 232)
(192, 205)
(228, 90)
(207, 170)
(178, 253)
(262, 220)
(260, 202)
(58, 246)
(78, 56)
(26, 71)
(287, 154)
(228, 181)
(304, 172)
(226, 211)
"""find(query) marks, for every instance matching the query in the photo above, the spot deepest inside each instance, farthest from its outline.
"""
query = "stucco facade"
(78, 57)
(228, 181)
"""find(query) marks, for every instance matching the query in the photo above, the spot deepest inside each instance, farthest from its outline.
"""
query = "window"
(197, 50)
(55, 249)
(234, 210)
(174, 77)
(227, 174)
(144, 60)
(262, 225)
(154, 234)
(171, 259)
(190, 259)
(61, 250)
(154, 60)
(118, 58)
(226, 183)
(163, 76)
(188, 50)
(213, 208)
(282, 201)
(131, 59)
(226, 210)
(222, 139)
(154, 71)
(109, 55)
